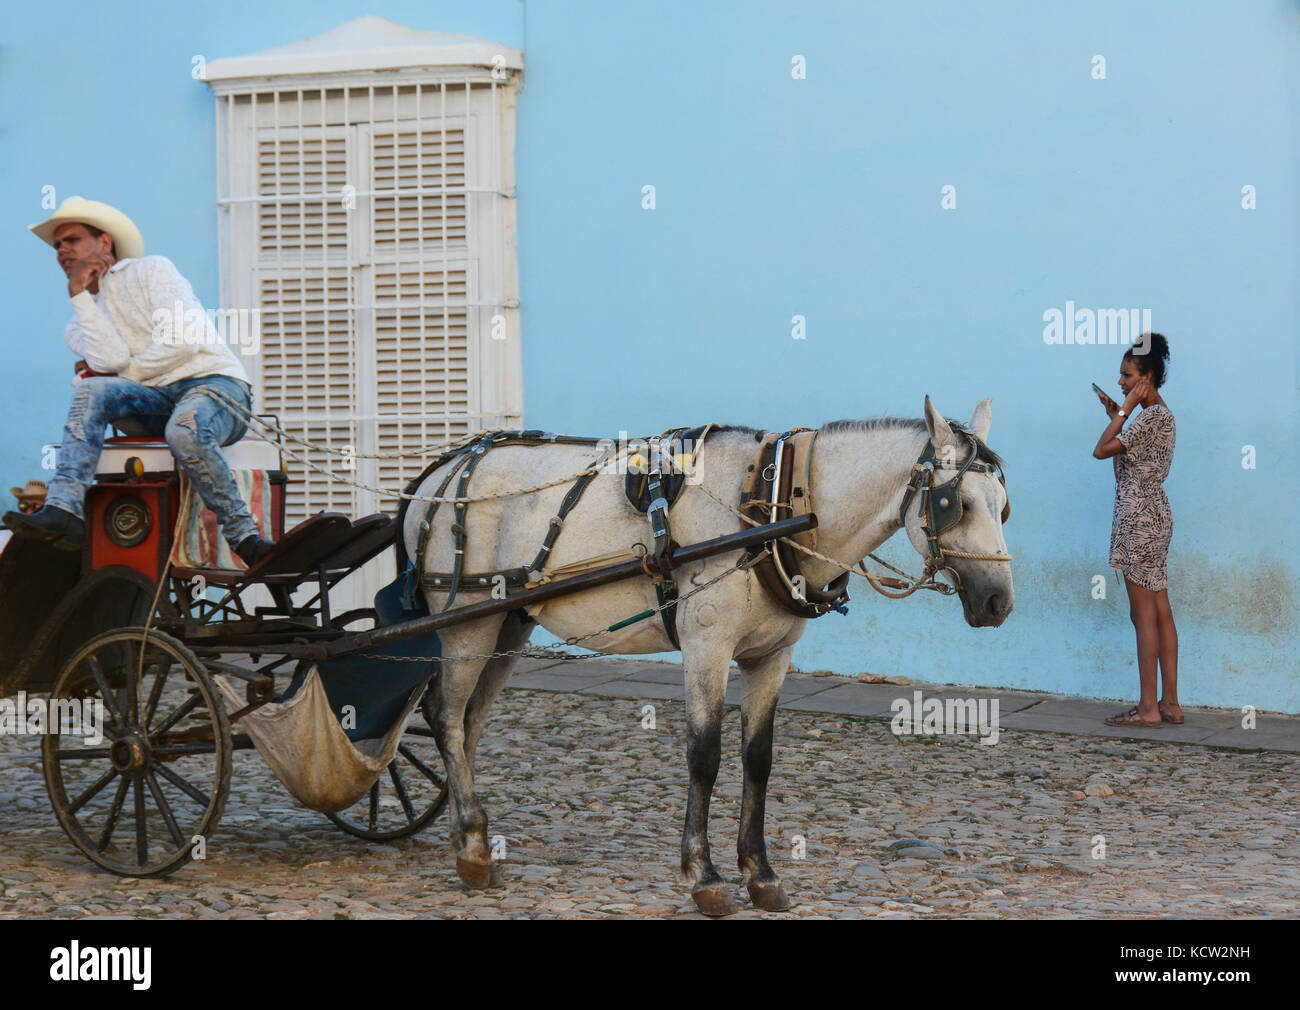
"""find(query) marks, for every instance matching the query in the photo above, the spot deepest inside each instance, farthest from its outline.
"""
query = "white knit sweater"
(146, 324)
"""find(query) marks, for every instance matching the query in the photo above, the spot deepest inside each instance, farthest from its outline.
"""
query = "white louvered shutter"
(372, 224)
(422, 289)
(309, 374)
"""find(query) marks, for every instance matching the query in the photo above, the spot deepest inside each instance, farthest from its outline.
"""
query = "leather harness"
(466, 460)
(655, 479)
(777, 485)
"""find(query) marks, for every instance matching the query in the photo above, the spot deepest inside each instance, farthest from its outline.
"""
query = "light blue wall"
(821, 197)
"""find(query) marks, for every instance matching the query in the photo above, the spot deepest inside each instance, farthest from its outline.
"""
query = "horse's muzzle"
(987, 610)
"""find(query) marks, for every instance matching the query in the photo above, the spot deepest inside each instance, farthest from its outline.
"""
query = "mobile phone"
(1101, 392)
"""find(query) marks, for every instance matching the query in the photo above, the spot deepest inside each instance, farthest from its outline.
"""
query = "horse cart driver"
(136, 363)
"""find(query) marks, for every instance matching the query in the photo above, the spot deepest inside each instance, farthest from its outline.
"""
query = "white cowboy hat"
(126, 236)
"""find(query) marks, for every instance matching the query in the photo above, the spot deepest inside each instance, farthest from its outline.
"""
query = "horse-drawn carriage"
(150, 660)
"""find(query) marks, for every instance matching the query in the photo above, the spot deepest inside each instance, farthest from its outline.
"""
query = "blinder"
(941, 507)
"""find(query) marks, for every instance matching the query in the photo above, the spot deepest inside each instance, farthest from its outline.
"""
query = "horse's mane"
(982, 452)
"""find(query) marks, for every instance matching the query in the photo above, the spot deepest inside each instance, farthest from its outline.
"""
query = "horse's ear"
(981, 419)
(940, 433)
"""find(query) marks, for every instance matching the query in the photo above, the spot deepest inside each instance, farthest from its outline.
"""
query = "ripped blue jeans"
(195, 425)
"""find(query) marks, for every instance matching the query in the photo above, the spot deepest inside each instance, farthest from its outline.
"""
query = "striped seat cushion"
(199, 544)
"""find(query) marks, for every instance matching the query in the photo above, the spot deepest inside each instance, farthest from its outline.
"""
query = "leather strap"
(777, 485)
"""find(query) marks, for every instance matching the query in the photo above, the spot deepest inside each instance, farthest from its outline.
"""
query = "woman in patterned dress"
(1143, 524)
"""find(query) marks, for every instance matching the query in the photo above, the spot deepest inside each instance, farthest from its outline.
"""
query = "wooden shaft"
(358, 641)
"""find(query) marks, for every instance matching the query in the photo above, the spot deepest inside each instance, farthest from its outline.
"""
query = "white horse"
(859, 475)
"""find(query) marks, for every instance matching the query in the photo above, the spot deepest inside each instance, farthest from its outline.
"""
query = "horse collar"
(778, 485)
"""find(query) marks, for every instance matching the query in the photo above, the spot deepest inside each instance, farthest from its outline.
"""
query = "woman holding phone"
(1143, 524)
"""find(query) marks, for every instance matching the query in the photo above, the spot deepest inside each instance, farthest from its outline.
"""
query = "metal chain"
(594, 468)
(544, 650)
(436, 449)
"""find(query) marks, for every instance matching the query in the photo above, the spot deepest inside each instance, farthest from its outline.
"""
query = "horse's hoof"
(768, 895)
(475, 875)
(715, 900)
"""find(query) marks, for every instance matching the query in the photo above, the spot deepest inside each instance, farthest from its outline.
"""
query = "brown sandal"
(1131, 718)
(1171, 719)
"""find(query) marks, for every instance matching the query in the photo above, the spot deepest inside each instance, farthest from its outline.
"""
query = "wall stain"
(1242, 595)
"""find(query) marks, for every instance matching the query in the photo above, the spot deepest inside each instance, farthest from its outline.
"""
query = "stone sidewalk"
(825, 692)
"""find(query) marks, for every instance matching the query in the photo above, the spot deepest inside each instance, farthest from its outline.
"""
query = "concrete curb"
(1018, 710)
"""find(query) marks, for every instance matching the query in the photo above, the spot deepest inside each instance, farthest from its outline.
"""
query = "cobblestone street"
(590, 805)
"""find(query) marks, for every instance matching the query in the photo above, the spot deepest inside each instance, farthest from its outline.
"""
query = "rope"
(162, 581)
(975, 557)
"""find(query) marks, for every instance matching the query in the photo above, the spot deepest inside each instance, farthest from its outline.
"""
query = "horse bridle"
(940, 506)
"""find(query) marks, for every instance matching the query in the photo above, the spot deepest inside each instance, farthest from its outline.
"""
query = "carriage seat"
(249, 453)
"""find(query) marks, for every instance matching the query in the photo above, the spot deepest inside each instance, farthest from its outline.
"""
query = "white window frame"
(487, 102)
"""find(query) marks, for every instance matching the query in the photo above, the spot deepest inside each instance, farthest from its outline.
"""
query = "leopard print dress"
(1143, 524)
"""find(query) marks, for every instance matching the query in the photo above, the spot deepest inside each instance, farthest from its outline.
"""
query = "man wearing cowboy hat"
(127, 307)
(31, 498)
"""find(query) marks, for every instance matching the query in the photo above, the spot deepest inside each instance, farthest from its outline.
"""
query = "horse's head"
(953, 512)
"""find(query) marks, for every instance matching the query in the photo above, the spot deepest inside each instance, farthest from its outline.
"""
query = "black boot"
(51, 524)
(253, 549)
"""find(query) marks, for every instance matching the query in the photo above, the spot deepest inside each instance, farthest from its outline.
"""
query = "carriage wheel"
(142, 801)
(412, 791)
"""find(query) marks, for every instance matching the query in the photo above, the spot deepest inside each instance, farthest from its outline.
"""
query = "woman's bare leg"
(1142, 611)
(1168, 656)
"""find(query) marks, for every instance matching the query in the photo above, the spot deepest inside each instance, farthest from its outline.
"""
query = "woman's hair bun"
(1151, 353)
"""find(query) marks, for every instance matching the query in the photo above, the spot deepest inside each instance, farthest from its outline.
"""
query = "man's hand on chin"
(85, 275)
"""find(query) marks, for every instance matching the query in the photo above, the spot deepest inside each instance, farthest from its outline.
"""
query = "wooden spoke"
(423, 768)
(92, 790)
(197, 795)
(110, 699)
(374, 805)
(400, 786)
(114, 812)
(81, 753)
(188, 706)
(161, 801)
(141, 826)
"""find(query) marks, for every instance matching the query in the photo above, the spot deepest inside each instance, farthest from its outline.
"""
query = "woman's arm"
(1108, 445)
